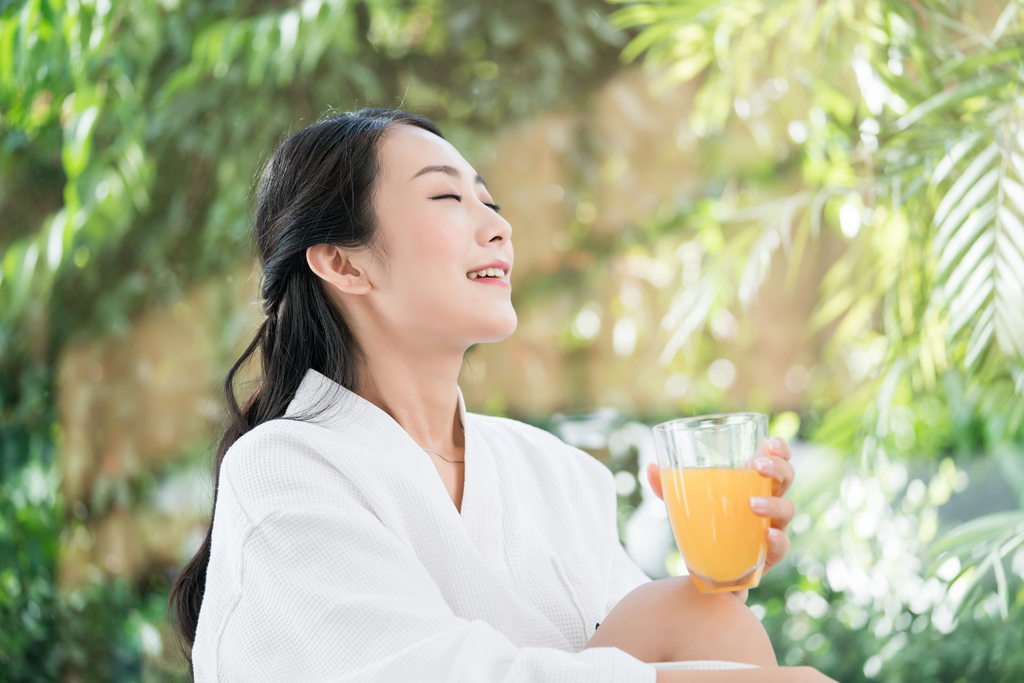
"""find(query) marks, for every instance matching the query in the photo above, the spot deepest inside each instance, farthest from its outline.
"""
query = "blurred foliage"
(115, 633)
(28, 551)
(905, 122)
(129, 132)
(911, 150)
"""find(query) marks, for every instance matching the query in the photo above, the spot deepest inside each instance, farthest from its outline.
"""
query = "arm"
(799, 674)
(668, 620)
(651, 623)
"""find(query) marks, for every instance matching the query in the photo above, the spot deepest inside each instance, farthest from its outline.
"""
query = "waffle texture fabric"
(338, 556)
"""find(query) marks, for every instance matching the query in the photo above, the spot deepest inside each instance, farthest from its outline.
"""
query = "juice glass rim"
(681, 424)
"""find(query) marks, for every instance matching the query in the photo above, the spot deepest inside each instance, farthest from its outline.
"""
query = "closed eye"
(458, 198)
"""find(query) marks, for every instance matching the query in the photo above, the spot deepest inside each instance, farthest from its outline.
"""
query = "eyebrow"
(447, 170)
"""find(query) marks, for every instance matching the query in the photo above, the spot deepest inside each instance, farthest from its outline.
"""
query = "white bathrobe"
(338, 555)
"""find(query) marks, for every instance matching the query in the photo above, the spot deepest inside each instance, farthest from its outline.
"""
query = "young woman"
(365, 527)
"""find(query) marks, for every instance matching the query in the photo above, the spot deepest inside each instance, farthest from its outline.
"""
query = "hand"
(774, 464)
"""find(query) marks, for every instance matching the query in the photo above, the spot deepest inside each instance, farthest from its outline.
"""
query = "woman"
(365, 527)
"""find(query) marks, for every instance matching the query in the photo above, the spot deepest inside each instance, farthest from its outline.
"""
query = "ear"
(343, 269)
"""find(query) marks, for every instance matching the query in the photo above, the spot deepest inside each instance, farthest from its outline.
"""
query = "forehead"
(406, 149)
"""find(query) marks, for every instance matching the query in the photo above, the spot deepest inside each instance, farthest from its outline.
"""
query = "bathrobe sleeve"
(596, 484)
(308, 586)
(625, 575)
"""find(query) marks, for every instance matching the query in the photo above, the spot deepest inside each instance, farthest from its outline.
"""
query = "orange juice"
(719, 536)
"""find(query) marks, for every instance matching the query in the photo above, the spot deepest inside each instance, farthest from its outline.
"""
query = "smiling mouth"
(492, 273)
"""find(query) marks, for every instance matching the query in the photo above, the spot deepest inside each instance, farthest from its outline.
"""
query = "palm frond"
(983, 544)
(688, 313)
(979, 239)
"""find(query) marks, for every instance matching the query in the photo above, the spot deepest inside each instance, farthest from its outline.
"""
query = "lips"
(494, 273)
(504, 266)
(493, 281)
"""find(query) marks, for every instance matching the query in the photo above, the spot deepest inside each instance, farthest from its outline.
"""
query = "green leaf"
(956, 153)
(981, 248)
(959, 199)
(997, 58)
(981, 336)
(841, 425)
(1001, 586)
(1015, 193)
(987, 529)
(965, 236)
(688, 313)
(948, 98)
(979, 245)
(75, 154)
(969, 301)
(832, 308)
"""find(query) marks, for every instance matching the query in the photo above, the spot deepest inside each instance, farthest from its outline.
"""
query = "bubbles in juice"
(718, 535)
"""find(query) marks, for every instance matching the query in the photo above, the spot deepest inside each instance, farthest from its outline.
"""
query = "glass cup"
(708, 477)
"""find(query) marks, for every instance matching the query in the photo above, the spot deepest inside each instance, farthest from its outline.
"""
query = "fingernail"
(758, 504)
(763, 464)
(775, 445)
(774, 534)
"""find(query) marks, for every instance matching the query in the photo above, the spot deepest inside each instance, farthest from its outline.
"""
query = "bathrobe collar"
(325, 402)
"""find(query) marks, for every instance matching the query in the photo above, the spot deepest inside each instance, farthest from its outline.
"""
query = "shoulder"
(542, 448)
(274, 445)
(285, 464)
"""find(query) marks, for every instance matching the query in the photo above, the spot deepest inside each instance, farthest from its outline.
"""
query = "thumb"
(778, 547)
(654, 477)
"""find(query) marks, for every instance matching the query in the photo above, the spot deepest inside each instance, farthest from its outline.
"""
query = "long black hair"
(316, 189)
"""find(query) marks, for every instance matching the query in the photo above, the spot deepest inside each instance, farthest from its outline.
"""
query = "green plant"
(903, 120)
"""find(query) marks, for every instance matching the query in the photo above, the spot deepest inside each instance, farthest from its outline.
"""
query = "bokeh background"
(813, 209)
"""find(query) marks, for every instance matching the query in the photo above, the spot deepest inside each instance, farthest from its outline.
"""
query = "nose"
(494, 228)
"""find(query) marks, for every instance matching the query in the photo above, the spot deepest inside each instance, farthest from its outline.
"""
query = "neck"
(418, 388)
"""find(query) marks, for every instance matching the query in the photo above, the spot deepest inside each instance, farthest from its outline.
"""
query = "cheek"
(426, 261)
(444, 246)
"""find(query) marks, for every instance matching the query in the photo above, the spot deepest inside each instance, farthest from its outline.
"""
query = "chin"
(499, 328)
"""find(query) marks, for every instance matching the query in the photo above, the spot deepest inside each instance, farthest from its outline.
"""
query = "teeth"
(488, 272)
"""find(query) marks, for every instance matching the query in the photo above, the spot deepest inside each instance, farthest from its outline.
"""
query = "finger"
(778, 446)
(773, 446)
(778, 547)
(778, 469)
(654, 478)
(779, 510)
